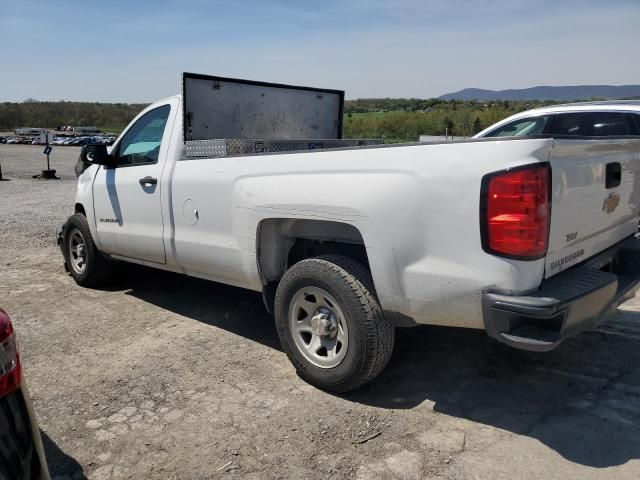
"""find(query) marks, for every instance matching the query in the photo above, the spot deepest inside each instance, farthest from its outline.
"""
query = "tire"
(335, 295)
(96, 269)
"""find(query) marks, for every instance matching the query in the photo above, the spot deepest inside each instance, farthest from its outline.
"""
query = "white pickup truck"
(250, 184)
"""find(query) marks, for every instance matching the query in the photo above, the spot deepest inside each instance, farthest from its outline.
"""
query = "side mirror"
(97, 155)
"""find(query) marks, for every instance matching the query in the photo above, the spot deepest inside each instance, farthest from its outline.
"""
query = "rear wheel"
(331, 325)
(84, 262)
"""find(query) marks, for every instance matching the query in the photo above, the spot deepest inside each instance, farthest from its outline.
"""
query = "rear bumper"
(568, 303)
(22, 454)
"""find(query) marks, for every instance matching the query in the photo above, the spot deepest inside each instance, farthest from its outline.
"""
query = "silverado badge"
(611, 202)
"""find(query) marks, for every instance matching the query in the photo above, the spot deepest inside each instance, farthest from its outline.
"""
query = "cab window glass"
(141, 143)
(521, 127)
(593, 124)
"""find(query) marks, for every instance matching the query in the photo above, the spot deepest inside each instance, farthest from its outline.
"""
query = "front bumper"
(60, 235)
(568, 303)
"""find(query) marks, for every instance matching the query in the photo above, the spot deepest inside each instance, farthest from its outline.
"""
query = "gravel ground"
(164, 377)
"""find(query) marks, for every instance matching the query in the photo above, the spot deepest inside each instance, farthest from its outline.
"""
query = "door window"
(521, 127)
(141, 144)
(593, 124)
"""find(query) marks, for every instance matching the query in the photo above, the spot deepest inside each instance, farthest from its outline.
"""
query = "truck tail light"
(515, 212)
(10, 374)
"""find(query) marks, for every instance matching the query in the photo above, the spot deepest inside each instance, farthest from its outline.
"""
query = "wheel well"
(283, 242)
(80, 209)
(306, 248)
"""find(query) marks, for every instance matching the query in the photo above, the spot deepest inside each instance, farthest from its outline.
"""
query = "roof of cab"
(582, 106)
(635, 103)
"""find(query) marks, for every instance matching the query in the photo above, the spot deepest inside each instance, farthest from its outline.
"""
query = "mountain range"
(575, 92)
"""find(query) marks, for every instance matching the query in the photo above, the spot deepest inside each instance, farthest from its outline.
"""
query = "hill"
(576, 92)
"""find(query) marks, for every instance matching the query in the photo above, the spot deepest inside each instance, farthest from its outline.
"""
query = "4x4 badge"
(611, 203)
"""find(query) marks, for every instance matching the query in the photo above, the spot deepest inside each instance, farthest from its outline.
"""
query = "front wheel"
(84, 262)
(330, 324)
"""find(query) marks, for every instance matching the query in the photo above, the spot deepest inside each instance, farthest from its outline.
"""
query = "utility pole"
(47, 174)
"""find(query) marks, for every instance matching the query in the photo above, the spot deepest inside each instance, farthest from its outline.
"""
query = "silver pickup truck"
(250, 184)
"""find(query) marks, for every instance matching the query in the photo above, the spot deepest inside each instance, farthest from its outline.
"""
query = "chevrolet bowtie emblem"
(611, 203)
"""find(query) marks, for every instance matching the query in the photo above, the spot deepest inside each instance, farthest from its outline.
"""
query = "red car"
(21, 452)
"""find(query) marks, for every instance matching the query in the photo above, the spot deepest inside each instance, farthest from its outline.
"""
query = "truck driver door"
(126, 198)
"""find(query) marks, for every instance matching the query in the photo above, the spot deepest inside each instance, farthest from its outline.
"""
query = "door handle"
(148, 181)
(613, 174)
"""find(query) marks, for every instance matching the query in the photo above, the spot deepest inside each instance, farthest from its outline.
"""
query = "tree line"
(394, 119)
(405, 119)
(31, 113)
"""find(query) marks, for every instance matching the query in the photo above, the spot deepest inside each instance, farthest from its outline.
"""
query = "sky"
(136, 50)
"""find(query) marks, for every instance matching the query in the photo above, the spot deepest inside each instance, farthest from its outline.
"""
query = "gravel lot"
(165, 377)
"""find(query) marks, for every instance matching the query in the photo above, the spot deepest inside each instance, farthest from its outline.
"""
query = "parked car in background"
(585, 119)
(21, 451)
(63, 140)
